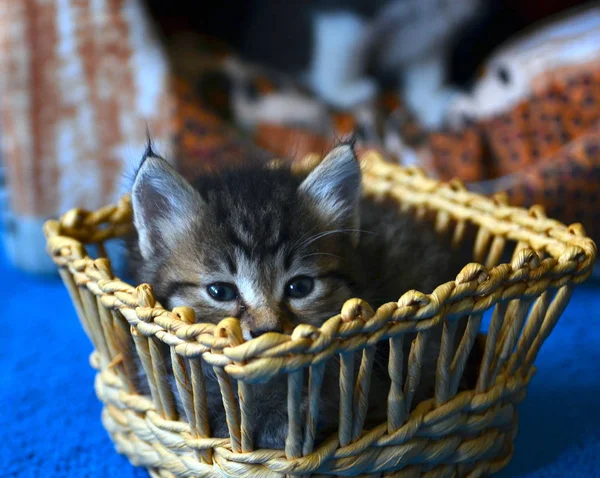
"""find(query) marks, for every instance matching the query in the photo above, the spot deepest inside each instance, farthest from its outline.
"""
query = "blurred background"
(504, 95)
(501, 94)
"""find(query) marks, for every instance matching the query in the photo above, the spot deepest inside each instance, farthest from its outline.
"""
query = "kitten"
(276, 250)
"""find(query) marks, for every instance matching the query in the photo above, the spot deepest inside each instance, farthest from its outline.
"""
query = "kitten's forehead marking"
(248, 280)
(263, 234)
(260, 280)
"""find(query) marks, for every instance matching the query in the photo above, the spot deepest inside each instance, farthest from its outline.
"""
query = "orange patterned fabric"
(532, 131)
(458, 154)
(567, 183)
(543, 151)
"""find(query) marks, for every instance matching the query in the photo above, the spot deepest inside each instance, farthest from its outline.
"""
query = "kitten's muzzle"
(261, 320)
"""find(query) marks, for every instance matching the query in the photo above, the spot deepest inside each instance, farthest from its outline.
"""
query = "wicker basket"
(469, 433)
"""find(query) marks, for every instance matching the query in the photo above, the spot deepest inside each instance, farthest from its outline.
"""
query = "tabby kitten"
(276, 250)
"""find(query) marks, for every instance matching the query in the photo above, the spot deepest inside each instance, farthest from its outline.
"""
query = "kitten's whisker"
(303, 237)
(316, 237)
(320, 254)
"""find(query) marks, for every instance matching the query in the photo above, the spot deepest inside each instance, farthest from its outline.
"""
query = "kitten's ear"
(334, 188)
(164, 204)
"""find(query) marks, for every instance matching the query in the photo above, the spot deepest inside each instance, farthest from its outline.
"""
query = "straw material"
(467, 433)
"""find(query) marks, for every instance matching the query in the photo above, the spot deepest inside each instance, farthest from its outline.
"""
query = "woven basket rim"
(476, 288)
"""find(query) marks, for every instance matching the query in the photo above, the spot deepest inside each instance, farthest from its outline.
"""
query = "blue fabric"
(50, 418)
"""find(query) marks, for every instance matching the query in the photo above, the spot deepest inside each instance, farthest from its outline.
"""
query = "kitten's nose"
(261, 321)
(260, 331)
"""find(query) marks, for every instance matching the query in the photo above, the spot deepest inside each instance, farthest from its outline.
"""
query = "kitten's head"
(259, 244)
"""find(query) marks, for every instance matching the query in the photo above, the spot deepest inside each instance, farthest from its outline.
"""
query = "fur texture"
(258, 230)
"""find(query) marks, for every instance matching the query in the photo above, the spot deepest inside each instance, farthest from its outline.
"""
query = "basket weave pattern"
(469, 433)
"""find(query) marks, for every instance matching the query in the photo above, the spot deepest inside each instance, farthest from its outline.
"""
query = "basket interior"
(520, 270)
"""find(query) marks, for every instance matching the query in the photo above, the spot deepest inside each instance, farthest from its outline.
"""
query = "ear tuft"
(163, 203)
(334, 187)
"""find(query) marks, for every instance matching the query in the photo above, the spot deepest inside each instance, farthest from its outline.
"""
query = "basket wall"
(469, 433)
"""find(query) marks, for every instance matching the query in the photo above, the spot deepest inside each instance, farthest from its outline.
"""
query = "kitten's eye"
(222, 291)
(299, 287)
